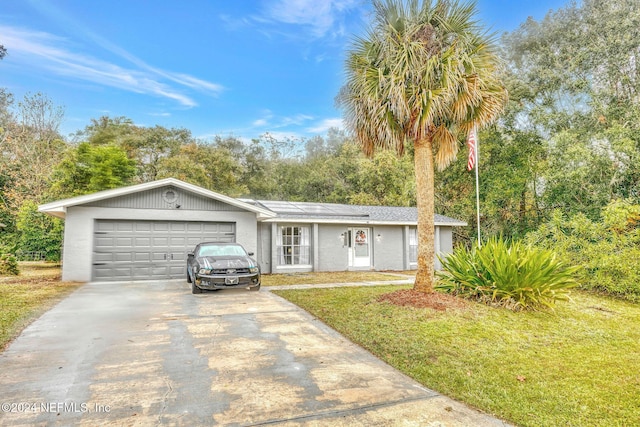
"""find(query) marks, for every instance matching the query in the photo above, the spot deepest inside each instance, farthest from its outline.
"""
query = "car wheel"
(255, 288)
(188, 276)
(195, 289)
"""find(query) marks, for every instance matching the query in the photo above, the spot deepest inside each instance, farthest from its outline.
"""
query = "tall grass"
(509, 274)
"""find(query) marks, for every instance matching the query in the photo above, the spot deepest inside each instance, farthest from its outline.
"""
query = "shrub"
(8, 265)
(608, 250)
(513, 275)
(39, 232)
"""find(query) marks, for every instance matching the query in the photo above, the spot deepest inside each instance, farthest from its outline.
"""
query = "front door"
(360, 247)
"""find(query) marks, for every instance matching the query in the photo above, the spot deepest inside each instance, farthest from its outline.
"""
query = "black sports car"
(222, 266)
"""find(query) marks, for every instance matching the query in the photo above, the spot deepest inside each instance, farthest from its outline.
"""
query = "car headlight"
(204, 271)
(253, 269)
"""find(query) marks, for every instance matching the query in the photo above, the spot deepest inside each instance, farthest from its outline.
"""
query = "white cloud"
(321, 16)
(264, 120)
(326, 124)
(296, 120)
(39, 50)
(268, 119)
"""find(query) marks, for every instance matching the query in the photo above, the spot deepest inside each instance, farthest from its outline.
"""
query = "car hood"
(219, 262)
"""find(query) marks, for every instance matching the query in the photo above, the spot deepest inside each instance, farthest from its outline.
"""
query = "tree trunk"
(423, 159)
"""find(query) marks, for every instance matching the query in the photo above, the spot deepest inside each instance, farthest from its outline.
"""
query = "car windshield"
(221, 250)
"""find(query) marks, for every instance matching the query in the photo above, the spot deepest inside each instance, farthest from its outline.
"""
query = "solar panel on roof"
(325, 209)
(313, 209)
(282, 207)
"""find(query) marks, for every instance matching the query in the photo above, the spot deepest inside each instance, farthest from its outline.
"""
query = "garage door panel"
(160, 226)
(226, 228)
(142, 256)
(178, 241)
(192, 241)
(122, 272)
(160, 255)
(124, 226)
(178, 226)
(105, 226)
(195, 226)
(179, 255)
(126, 242)
(143, 226)
(140, 250)
(123, 257)
(102, 256)
(103, 241)
(142, 242)
(101, 272)
(160, 241)
(175, 270)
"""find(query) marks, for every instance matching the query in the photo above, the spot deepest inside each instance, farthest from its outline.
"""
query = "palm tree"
(425, 74)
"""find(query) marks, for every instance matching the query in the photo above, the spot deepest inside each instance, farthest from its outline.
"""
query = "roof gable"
(124, 194)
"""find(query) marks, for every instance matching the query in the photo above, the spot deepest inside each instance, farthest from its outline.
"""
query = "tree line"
(568, 140)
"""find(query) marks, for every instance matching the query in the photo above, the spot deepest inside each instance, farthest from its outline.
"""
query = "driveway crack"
(164, 399)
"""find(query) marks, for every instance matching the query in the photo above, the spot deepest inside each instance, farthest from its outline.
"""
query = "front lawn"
(578, 366)
(23, 298)
(316, 278)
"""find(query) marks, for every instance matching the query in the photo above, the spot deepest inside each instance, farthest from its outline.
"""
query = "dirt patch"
(435, 300)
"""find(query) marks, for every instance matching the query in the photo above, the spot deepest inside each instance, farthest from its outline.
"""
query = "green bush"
(8, 265)
(39, 232)
(513, 275)
(608, 250)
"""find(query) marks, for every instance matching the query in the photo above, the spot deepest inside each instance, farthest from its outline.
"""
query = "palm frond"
(425, 69)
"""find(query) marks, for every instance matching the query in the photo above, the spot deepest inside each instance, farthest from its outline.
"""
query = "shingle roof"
(334, 212)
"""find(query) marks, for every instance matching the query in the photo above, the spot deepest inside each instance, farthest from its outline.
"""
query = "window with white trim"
(413, 245)
(293, 245)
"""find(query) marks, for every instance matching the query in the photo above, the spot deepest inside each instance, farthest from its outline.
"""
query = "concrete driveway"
(154, 354)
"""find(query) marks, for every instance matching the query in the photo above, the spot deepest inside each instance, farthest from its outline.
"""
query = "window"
(413, 245)
(293, 245)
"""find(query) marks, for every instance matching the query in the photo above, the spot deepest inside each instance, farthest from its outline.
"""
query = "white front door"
(360, 247)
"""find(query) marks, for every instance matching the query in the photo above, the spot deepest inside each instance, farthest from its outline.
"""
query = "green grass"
(24, 298)
(577, 366)
(316, 278)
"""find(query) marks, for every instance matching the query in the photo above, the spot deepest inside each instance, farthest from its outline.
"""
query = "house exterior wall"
(263, 256)
(79, 231)
(390, 247)
(445, 244)
(388, 244)
(332, 252)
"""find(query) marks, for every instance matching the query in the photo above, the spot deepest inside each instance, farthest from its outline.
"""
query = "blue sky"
(217, 67)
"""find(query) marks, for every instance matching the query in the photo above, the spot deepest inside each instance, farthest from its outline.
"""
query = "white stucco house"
(145, 231)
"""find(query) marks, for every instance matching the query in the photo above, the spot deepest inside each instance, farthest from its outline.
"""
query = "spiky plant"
(513, 275)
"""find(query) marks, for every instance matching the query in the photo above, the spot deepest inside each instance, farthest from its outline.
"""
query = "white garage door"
(141, 250)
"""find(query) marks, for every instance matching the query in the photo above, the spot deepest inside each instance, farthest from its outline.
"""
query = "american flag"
(471, 142)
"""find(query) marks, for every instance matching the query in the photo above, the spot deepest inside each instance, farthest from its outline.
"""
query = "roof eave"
(358, 221)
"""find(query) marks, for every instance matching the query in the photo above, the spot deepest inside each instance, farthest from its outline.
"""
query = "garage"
(144, 231)
(140, 250)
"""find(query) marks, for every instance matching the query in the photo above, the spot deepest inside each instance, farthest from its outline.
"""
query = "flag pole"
(477, 144)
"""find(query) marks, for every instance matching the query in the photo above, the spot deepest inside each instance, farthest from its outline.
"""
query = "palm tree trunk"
(423, 159)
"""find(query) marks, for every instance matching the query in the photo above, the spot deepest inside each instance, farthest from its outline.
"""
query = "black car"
(222, 266)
